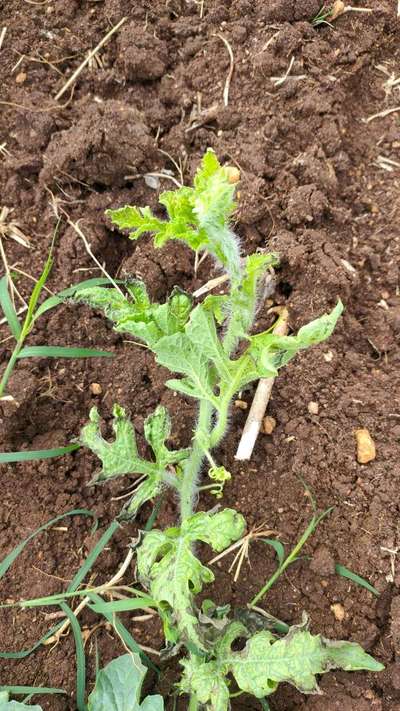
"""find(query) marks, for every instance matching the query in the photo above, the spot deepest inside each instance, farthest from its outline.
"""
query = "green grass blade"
(80, 658)
(55, 599)
(136, 603)
(31, 690)
(125, 635)
(8, 309)
(278, 548)
(93, 555)
(37, 290)
(29, 456)
(357, 579)
(62, 352)
(11, 557)
(8, 561)
(26, 652)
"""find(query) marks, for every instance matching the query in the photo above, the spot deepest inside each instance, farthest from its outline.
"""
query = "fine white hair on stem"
(260, 402)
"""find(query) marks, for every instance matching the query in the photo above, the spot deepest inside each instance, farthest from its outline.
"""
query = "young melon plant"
(199, 344)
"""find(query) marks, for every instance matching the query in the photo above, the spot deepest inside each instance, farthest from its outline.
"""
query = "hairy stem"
(193, 463)
(193, 703)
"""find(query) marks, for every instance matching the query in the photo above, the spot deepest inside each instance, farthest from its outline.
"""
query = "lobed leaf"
(136, 314)
(117, 457)
(197, 216)
(121, 456)
(267, 661)
(173, 574)
(119, 686)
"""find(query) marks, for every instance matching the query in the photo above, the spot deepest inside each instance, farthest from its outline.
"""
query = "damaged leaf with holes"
(121, 457)
(267, 660)
(169, 569)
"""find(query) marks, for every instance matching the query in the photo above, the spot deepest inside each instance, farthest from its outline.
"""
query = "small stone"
(338, 8)
(339, 611)
(313, 408)
(268, 425)
(95, 388)
(233, 174)
(328, 356)
(241, 404)
(366, 451)
(20, 78)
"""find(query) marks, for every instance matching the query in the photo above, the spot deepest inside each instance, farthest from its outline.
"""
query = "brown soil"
(313, 191)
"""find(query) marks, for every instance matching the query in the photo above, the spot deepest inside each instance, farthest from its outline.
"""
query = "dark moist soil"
(313, 190)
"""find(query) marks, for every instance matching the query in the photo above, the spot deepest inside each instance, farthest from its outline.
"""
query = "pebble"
(95, 388)
(366, 451)
(328, 356)
(268, 425)
(241, 404)
(339, 611)
(313, 408)
(20, 78)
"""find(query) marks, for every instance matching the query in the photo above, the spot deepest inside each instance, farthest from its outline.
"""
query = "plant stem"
(193, 703)
(193, 463)
(219, 430)
(10, 366)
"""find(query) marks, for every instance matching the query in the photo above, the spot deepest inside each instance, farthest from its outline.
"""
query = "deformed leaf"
(135, 314)
(207, 681)
(320, 329)
(297, 658)
(119, 685)
(266, 661)
(139, 220)
(157, 429)
(117, 457)
(121, 456)
(180, 355)
(198, 216)
(268, 352)
(170, 570)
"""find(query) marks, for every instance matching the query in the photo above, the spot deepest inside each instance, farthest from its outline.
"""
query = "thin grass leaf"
(278, 548)
(125, 635)
(123, 605)
(8, 561)
(80, 658)
(27, 652)
(8, 309)
(62, 352)
(49, 600)
(93, 555)
(357, 579)
(29, 456)
(11, 557)
(31, 690)
(37, 290)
